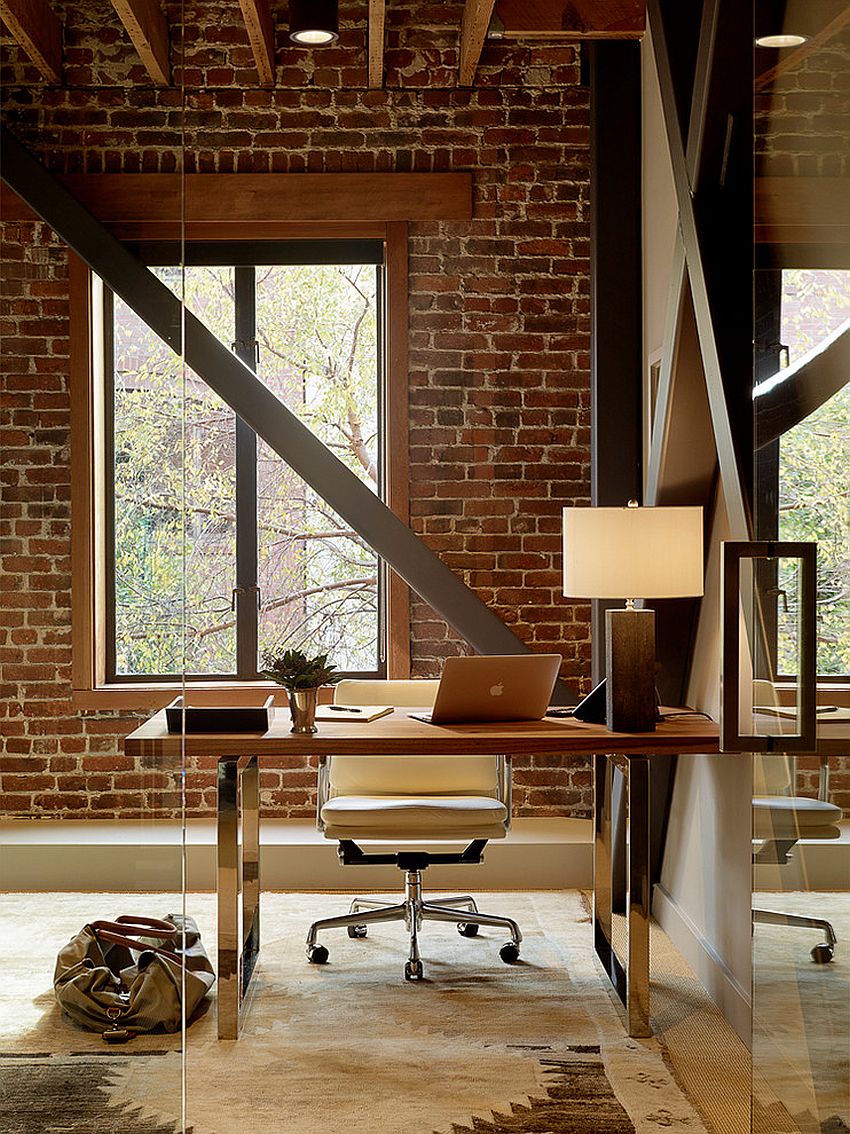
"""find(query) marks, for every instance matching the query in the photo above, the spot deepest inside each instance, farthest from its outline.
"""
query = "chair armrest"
(322, 789)
(823, 779)
(504, 786)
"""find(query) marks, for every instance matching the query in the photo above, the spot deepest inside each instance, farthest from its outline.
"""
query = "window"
(215, 550)
(804, 475)
(225, 210)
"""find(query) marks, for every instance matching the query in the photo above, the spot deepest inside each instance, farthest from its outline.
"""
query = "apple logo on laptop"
(497, 690)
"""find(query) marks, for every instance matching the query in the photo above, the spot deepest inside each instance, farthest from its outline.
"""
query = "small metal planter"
(302, 708)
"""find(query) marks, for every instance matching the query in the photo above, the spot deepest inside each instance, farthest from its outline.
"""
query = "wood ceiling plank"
(146, 26)
(572, 19)
(260, 25)
(34, 26)
(476, 20)
(377, 14)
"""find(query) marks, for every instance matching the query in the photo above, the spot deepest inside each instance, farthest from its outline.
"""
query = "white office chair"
(404, 799)
(780, 820)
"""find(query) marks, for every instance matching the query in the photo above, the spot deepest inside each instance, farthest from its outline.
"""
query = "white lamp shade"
(633, 553)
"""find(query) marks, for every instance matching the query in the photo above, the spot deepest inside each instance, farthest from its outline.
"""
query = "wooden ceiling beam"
(36, 29)
(572, 19)
(377, 14)
(146, 26)
(476, 20)
(260, 25)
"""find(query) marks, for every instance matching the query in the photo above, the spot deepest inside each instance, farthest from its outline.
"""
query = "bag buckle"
(115, 1034)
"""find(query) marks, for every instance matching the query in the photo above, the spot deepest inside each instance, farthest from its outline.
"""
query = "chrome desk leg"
(250, 879)
(238, 938)
(603, 774)
(227, 886)
(630, 979)
(637, 895)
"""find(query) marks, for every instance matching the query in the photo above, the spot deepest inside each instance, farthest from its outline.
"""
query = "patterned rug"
(346, 1048)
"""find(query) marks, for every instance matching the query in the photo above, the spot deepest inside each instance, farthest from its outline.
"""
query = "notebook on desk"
(362, 713)
(498, 687)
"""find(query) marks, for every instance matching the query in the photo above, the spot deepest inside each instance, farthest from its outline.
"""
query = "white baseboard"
(542, 854)
(734, 1001)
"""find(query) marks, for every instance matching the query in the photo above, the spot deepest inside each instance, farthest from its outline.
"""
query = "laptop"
(497, 687)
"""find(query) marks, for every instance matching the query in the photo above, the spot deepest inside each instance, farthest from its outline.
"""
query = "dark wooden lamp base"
(630, 704)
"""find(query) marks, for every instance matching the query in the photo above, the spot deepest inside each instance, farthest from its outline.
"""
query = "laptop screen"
(496, 687)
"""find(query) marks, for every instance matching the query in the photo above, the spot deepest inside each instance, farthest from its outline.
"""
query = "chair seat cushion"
(439, 816)
(794, 817)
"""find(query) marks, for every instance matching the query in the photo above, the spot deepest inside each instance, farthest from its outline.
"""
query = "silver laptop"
(498, 687)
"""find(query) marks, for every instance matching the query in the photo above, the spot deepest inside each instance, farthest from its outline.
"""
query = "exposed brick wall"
(499, 342)
(801, 116)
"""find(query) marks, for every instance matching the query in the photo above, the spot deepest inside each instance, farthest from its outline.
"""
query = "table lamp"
(630, 553)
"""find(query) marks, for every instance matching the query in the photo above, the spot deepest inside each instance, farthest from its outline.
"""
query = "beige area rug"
(709, 1059)
(349, 1047)
(801, 1020)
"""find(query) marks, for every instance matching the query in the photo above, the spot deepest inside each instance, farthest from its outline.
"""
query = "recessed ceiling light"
(313, 23)
(783, 40)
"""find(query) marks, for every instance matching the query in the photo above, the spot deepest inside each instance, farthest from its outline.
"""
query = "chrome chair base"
(461, 910)
(823, 952)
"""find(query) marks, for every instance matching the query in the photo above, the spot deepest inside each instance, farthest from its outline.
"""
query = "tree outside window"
(195, 497)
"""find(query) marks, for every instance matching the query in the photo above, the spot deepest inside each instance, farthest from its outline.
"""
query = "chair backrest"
(774, 774)
(406, 775)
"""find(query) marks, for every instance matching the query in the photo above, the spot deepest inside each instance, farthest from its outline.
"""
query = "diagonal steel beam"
(799, 390)
(255, 403)
(686, 166)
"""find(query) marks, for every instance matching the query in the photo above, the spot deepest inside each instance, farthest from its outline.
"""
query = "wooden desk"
(396, 735)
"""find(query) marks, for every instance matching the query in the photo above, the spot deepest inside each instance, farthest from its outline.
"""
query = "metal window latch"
(242, 591)
(245, 346)
(778, 591)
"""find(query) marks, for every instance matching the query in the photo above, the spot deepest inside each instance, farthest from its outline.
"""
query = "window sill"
(828, 692)
(156, 695)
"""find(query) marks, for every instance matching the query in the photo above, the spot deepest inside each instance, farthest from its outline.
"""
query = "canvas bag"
(125, 976)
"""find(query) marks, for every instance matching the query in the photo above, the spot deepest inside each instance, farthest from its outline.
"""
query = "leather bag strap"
(126, 929)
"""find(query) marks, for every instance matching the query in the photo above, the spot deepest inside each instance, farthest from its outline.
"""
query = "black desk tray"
(220, 718)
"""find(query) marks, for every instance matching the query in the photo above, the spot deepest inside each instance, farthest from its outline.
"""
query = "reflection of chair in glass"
(780, 820)
(411, 799)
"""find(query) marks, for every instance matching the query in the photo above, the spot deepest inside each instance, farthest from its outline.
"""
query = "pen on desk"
(344, 709)
(826, 709)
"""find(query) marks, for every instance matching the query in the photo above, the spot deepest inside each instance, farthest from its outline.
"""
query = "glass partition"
(801, 835)
(98, 430)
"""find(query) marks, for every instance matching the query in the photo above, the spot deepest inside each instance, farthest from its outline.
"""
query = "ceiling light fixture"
(783, 40)
(784, 24)
(313, 23)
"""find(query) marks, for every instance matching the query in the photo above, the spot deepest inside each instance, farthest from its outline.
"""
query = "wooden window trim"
(90, 690)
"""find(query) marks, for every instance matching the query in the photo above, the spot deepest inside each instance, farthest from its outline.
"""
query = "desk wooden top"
(400, 735)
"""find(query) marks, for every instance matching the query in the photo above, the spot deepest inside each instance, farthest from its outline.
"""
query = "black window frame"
(244, 257)
(769, 265)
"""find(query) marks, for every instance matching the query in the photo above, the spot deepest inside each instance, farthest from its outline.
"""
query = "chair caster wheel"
(509, 952)
(357, 931)
(467, 929)
(413, 970)
(317, 954)
(822, 954)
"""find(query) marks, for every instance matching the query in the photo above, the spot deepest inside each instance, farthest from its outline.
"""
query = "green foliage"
(175, 485)
(814, 504)
(814, 476)
(294, 670)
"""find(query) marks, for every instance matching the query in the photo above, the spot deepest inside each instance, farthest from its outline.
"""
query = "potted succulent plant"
(301, 677)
